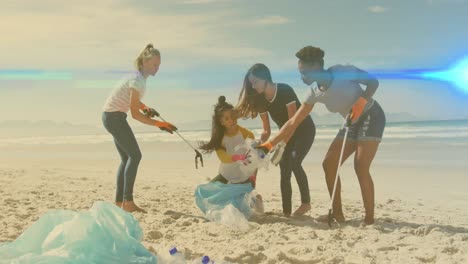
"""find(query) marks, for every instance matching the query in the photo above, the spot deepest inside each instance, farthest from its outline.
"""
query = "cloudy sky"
(59, 61)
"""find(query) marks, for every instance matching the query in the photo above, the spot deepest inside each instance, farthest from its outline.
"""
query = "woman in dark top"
(278, 100)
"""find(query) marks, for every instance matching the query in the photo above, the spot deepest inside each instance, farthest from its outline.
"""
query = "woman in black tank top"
(279, 101)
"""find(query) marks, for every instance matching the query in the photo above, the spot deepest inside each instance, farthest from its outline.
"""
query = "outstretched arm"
(291, 125)
(135, 106)
(292, 109)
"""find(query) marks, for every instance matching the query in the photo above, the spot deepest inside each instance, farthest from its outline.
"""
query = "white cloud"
(271, 20)
(378, 9)
(109, 34)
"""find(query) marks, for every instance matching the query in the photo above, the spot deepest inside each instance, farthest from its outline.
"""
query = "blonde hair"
(147, 53)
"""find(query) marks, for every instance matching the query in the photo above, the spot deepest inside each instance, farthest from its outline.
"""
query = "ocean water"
(451, 132)
(420, 145)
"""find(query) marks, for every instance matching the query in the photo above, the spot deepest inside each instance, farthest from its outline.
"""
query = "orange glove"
(166, 126)
(265, 147)
(357, 109)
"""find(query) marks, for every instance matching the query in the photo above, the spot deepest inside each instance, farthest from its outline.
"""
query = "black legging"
(129, 151)
(294, 153)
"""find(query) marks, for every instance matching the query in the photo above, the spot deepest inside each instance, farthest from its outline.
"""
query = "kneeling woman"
(226, 137)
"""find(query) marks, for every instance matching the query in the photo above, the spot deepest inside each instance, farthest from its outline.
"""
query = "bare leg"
(365, 153)
(330, 166)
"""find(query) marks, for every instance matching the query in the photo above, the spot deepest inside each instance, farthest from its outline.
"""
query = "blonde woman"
(127, 97)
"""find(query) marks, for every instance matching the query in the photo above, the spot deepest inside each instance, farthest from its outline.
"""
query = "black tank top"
(278, 107)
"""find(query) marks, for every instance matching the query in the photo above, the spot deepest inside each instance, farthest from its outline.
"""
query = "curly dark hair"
(310, 54)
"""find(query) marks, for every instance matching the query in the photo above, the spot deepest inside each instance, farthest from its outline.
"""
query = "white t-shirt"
(119, 99)
(232, 171)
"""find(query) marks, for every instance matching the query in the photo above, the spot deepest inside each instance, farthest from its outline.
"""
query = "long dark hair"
(250, 102)
(217, 130)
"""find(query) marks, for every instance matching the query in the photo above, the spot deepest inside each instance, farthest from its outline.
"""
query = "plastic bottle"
(176, 256)
(203, 260)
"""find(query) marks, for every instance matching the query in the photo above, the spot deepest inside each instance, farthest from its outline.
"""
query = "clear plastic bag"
(255, 157)
(227, 204)
(229, 216)
(104, 234)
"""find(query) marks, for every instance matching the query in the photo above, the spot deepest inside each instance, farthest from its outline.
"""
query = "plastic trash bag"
(229, 216)
(256, 158)
(217, 195)
(104, 234)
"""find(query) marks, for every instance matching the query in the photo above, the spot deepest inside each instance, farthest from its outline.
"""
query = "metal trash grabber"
(198, 155)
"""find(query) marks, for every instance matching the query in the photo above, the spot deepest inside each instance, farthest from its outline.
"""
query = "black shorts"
(369, 127)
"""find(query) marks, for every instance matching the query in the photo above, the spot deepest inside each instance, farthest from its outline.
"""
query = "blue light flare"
(456, 75)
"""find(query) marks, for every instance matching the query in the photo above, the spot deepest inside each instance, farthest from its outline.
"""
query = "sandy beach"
(421, 210)
(71, 74)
